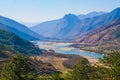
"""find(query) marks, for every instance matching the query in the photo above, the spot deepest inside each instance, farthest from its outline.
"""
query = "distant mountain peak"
(70, 14)
(70, 17)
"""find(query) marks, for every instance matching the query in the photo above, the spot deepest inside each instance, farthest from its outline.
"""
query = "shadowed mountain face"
(19, 29)
(70, 27)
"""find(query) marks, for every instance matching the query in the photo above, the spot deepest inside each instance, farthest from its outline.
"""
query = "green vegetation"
(20, 68)
(112, 63)
(108, 70)
(81, 70)
(9, 39)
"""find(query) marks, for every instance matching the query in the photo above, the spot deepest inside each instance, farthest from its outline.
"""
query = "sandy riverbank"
(92, 59)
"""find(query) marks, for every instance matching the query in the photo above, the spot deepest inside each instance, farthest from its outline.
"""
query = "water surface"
(63, 48)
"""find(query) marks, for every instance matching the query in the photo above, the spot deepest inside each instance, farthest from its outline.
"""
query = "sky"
(44, 10)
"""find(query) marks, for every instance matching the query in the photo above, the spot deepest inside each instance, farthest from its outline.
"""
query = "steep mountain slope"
(105, 33)
(69, 27)
(17, 28)
(90, 15)
(9, 39)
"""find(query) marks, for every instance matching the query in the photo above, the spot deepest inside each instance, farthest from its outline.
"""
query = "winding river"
(63, 48)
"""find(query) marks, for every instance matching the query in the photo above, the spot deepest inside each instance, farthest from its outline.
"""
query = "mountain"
(19, 29)
(18, 44)
(92, 23)
(57, 28)
(82, 26)
(103, 39)
(91, 14)
(70, 27)
(51, 28)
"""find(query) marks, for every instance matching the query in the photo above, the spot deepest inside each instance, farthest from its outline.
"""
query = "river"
(65, 49)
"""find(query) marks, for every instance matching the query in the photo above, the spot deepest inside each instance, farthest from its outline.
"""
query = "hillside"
(6, 52)
(20, 45)
(106, 32)
(19, 29)
(106, 37)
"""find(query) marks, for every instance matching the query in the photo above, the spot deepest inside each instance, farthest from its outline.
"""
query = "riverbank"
(97, 48)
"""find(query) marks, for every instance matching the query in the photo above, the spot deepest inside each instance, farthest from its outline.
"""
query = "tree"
(80, 70)
(112, 64)
(18, 69)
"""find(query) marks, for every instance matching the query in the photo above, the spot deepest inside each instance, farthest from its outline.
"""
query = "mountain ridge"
(19, 29)
(91, 14)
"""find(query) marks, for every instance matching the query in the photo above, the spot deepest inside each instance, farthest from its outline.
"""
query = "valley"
(74, 46)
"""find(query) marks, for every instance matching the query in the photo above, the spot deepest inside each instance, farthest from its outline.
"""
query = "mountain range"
(96, 28)
(70, 27)
(53, 27)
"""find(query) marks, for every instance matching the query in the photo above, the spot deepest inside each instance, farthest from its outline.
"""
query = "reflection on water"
(63, 48)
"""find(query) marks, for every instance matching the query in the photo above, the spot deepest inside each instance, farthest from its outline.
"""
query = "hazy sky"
(43, 10)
